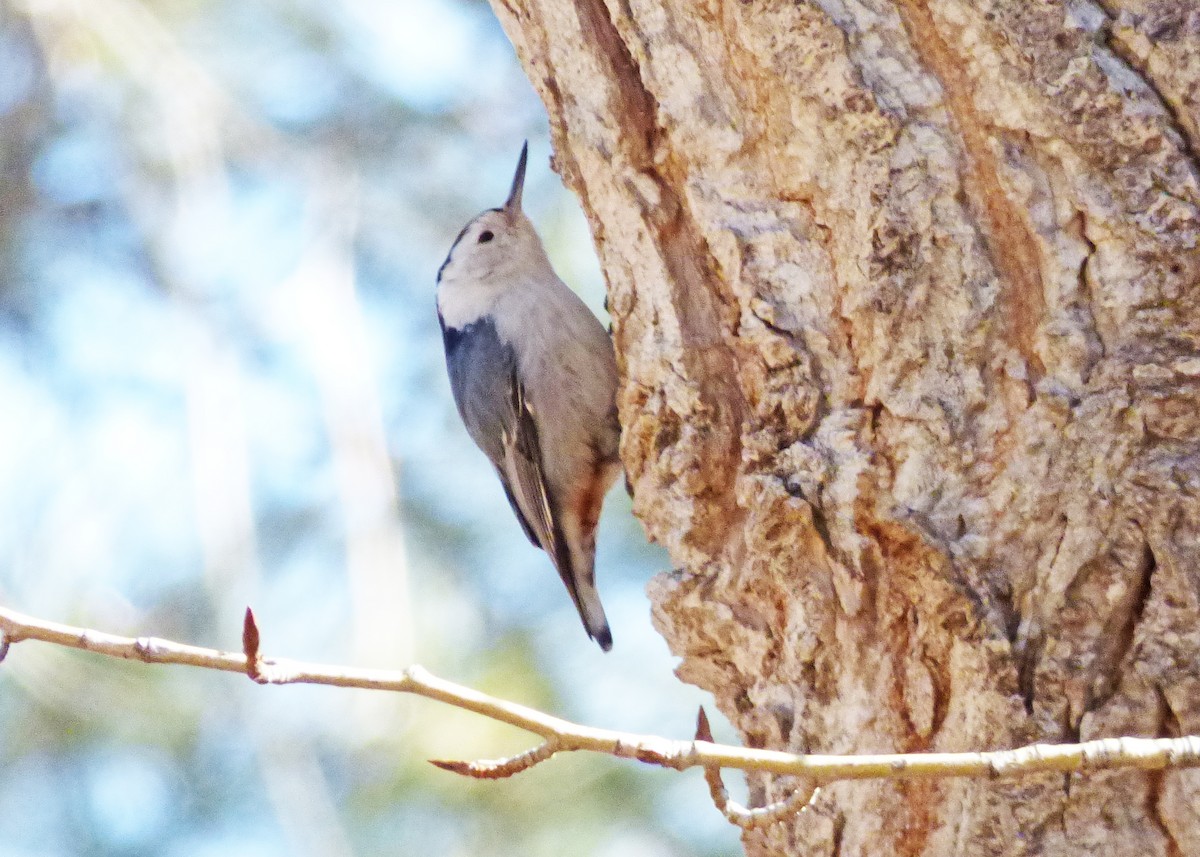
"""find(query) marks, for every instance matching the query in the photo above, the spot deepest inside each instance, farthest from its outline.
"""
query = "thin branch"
(564, 736)
(745, 817)
(498, 769)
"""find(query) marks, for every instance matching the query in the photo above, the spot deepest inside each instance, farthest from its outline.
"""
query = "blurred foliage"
(222, 384)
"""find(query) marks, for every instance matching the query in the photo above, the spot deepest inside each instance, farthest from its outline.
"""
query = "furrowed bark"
(906, 298)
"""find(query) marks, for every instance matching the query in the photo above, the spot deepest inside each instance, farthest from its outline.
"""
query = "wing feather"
(525, 478)
(500, 419)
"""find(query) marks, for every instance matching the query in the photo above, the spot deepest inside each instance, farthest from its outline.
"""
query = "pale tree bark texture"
(906, 296)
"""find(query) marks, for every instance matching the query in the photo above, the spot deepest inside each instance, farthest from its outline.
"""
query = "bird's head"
(498, 246)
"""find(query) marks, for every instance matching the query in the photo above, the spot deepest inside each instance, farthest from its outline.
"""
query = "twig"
(744, 817)
(498, 769)
(564, 736)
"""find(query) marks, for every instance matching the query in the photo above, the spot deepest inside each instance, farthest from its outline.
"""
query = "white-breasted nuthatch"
(535, 381)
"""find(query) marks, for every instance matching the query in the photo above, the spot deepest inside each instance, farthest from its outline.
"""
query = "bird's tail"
(591, 611)
(576, 566)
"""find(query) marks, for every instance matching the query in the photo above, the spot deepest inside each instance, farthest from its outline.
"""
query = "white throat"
(475, 281)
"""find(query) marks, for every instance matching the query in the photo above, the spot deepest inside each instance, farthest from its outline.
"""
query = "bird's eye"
(485, 236)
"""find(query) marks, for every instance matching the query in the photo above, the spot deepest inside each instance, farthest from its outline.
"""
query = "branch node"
(652, 757)
(145, 648)
(417, 675)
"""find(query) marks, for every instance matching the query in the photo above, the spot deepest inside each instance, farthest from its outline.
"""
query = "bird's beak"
(513, 203)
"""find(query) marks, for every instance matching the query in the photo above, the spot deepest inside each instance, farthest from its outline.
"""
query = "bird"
(534, 377)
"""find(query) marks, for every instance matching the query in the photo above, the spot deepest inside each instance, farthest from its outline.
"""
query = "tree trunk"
(906, 297)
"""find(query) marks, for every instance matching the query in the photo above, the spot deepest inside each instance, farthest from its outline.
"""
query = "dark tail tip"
(604, 638)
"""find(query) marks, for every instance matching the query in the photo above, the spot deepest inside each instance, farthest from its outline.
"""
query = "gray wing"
(493, 407)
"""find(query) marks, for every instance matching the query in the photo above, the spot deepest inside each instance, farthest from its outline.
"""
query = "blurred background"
(221, 384)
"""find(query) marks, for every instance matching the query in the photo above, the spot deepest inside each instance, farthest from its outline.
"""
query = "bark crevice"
(1011, 245)
(1184, 127)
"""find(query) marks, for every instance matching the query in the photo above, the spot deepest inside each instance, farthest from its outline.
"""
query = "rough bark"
(906, 297)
